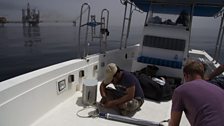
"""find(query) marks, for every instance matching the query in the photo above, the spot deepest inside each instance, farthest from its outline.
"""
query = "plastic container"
(89, 91)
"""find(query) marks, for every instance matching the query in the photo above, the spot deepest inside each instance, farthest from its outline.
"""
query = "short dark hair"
(193, 68)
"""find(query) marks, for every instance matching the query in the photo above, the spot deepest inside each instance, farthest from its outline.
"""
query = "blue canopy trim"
(205, 8)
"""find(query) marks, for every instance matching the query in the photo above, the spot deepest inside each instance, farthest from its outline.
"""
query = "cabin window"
(164, 43)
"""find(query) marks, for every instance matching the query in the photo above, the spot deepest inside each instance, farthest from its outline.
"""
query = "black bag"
(154, 91)
(149, 70)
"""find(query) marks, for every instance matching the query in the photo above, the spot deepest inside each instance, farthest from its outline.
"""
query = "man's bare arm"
(128, 96)
(216, 72)
(103, 89)
(175, 118)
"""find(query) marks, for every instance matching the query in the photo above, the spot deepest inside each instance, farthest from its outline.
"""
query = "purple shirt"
(202, 102)
(127, 81)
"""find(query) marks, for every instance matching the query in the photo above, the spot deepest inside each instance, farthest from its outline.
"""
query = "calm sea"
(25, 49)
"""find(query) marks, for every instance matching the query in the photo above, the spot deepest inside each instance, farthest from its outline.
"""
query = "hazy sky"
(70, 10)
(59, 9)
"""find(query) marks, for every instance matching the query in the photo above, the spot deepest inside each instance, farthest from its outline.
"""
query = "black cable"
(167, 120)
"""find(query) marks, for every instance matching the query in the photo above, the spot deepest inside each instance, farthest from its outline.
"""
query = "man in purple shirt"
(202, 103)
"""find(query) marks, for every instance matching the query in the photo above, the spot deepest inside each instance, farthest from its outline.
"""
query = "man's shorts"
(129, 107)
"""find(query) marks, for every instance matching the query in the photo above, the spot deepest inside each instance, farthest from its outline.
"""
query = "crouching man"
(127, 96)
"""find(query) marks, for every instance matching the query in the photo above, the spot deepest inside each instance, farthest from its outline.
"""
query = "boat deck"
(65, 114)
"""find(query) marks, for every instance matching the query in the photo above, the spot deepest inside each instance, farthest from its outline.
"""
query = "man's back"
(128, 79)
(202, 103)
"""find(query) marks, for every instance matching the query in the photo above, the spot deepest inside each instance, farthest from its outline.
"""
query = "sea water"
(24, 49)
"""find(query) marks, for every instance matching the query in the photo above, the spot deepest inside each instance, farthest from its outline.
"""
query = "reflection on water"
(31, 35)
(3, 34)
(24, 49)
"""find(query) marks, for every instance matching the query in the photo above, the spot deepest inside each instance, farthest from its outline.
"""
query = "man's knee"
(130, 106)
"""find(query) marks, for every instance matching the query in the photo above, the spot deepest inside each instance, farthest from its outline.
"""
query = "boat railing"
(85, 52)
(130, 7)
(219, 41)
(126, 21)
(103, 32)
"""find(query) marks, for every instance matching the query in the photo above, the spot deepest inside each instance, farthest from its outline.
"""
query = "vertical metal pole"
(190, 25)
(146, 19)
(129, 24)
(79, 34)
(122, 32)
(218, 39)
(102, 20)
(105, 27)
(93, 29)
(86, 51)
(220, 45)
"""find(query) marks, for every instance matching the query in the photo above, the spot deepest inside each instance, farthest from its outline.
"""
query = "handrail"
(219, 40)
(85, 53)
(220, 46)
(124, 22)
(190, 27)
(129, 24)
(126, 35)
(78, 17)
(104, 26)
(122, 32)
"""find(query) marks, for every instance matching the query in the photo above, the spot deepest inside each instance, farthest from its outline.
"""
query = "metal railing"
(219, 40)
(125, 35)
(104, 30)
(85, 52)
(103, 33)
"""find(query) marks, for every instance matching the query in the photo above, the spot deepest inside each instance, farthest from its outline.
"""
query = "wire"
(91, 114)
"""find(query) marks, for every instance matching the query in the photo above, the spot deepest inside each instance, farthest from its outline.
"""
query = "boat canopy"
(205, 8)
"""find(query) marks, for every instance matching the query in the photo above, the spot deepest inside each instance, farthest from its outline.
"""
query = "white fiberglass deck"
(65, 114)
